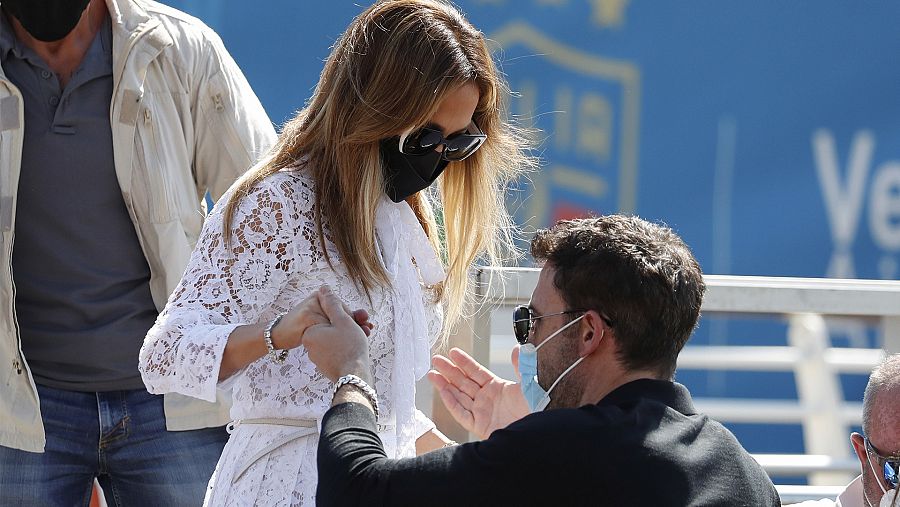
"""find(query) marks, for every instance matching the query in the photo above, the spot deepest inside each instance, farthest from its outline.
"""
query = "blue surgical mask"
(537, 398)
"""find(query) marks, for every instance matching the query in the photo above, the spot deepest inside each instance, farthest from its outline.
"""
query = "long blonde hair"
(388, 73)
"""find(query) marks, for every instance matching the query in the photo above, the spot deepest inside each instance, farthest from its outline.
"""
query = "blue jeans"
(118, 437)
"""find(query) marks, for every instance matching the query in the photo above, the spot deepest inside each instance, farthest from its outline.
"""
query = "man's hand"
(288, 334)
(479, 400)
(339, 347)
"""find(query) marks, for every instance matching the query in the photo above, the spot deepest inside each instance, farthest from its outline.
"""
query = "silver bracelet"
(277, 355)
(363, 387)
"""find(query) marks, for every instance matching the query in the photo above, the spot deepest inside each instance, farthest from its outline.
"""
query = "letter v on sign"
(843, 199)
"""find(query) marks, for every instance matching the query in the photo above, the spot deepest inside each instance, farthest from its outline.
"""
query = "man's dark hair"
(640, 275)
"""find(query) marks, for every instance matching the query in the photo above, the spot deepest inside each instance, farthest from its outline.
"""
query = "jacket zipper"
(19, 359)
(161, 200)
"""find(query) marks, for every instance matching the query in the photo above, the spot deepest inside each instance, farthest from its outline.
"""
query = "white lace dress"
(273, 262)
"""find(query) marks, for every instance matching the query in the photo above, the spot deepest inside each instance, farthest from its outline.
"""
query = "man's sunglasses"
(890, 465)
(456, 147)
(523, 321)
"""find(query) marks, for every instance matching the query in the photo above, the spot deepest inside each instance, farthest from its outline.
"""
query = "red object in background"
(565, 211)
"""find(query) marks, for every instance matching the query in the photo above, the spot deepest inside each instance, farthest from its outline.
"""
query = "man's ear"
(592, 332)
(859, 446)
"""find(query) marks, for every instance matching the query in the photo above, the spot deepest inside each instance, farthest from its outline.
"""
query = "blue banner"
(766, 133)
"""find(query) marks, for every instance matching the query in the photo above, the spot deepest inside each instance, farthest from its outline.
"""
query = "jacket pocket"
(223, 114)
(151, 177)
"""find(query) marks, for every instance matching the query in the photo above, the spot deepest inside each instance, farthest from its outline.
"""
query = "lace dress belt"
(305, 427)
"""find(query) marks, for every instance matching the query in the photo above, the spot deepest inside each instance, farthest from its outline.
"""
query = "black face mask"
(404, 175)
(46, 20)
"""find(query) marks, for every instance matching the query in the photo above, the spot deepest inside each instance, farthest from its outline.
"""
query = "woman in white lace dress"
(408, 94)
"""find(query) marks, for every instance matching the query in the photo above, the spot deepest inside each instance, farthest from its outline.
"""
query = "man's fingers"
(441, 383)
(455, 376)
(437, 380)
(457, 403)
(362, 318)
(317, 314)
(459, 406)
(472, 369)
(331, 304)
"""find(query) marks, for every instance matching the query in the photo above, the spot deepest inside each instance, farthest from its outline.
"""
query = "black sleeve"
(568, 457)
(348, 457)
(354, 470)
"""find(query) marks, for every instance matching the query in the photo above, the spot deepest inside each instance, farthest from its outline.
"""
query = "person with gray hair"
(878, 448)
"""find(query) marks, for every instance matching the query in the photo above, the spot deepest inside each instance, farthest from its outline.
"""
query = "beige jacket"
(184, 122)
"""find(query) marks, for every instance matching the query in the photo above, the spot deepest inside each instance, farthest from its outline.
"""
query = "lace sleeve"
(422, 423)
(225, 286)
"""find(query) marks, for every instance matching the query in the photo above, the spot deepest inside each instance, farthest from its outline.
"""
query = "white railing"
(804, 303)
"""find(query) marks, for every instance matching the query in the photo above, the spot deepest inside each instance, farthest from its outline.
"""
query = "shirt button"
(54, 101)
(45, 74)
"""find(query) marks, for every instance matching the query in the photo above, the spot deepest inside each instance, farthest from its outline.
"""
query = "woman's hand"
(246, 343)
(288, 333)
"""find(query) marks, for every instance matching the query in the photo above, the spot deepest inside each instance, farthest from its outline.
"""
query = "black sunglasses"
(523, 321)
(890, 466)
(456, 147)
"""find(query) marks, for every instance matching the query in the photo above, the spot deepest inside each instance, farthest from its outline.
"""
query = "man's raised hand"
(480, 401)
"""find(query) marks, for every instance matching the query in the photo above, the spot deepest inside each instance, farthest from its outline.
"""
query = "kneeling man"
(596, 419)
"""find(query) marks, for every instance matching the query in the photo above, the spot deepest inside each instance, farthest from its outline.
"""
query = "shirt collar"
(8, 40)
(97, 59)
(852, 494)
(671, 394)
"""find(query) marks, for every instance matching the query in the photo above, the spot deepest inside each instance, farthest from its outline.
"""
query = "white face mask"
(887, 500)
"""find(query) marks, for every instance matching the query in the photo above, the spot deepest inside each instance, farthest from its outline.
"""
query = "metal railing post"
(820, 395)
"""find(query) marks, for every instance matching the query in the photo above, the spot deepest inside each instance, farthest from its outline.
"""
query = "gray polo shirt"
(82, 282)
